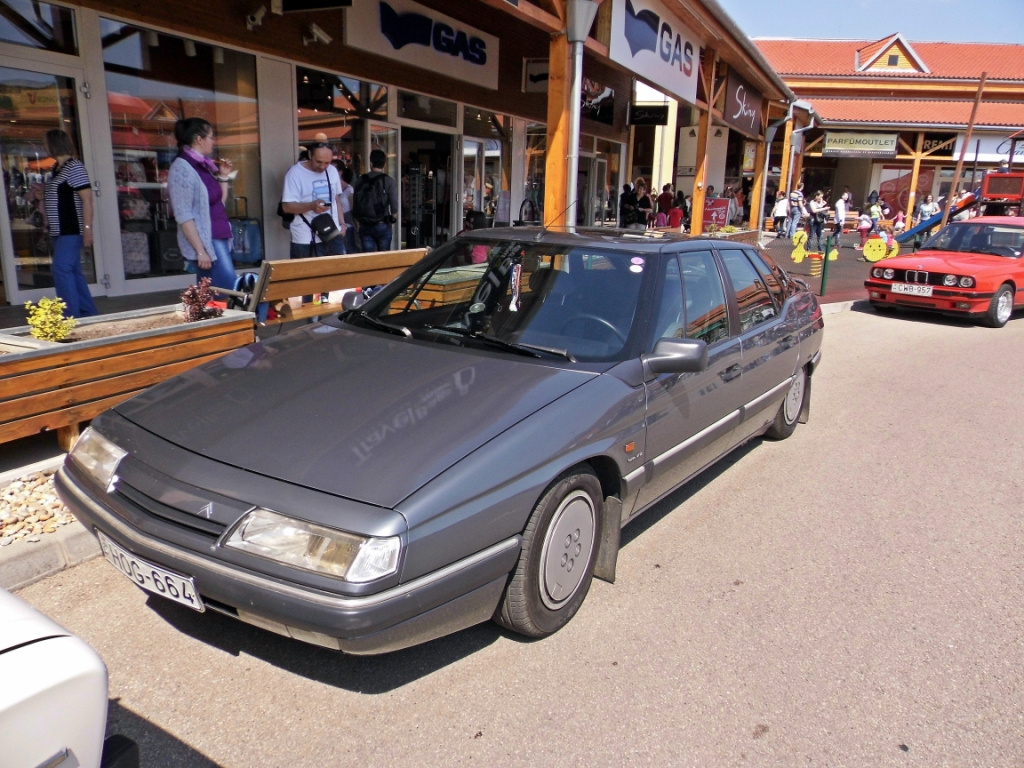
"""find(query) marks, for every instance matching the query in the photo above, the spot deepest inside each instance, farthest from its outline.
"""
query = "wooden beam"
(556, 170)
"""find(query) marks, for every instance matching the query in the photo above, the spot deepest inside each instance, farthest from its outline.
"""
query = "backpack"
(370, 202)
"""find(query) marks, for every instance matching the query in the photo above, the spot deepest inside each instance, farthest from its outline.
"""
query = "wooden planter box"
(49, 385)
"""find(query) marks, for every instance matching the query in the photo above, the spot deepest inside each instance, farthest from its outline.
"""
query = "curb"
(23, 563)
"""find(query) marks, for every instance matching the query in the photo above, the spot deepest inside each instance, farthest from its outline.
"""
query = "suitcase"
(135, 250)
(246, 236)
(166, 253)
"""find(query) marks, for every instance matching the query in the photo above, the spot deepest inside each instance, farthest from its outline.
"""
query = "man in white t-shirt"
(840, 219)
(313, 187)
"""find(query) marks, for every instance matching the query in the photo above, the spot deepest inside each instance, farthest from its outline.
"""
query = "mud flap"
(611, 531)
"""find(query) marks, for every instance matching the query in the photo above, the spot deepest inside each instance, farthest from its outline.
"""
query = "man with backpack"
(374, 204)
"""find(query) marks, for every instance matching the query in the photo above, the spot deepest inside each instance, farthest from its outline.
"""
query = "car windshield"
(979, 237)
(539, 300)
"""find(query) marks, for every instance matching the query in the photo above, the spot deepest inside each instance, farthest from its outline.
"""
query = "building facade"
(467, 100)
(897, 117)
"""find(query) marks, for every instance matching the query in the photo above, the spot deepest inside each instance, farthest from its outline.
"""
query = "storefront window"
(606, 213)
(31, 103)
(333, 108)
(531, 210)
(894, 186)
(487, 164)
(149, 87)
(426, 109)
(38, 25)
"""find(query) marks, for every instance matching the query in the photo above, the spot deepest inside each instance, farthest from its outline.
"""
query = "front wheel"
(556, 564)
(1000, 308)
(789, 412)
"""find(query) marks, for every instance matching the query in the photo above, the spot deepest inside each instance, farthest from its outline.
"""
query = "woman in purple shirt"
(197, 187)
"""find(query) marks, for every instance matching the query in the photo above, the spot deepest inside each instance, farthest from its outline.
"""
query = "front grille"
(167, 513)
(918, 277)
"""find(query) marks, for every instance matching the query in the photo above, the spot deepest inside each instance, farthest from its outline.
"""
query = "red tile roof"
(837, 58)
(908, 112)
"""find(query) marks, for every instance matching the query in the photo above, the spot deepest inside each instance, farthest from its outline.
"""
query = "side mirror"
(677, 356)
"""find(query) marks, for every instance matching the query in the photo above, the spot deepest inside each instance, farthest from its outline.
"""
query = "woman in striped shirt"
(68, 209)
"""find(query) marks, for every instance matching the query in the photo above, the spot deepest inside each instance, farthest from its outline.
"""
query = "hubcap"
(567, 549)
(795, 398)
(1004, 306)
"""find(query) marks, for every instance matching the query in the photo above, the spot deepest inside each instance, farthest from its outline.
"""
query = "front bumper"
(460, 595)
(945, 300)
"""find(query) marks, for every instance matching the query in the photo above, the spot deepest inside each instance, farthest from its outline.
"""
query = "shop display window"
(38, 25)
(149, 88)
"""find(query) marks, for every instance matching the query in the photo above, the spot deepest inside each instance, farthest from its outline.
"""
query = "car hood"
(949, 261)
(355, 413)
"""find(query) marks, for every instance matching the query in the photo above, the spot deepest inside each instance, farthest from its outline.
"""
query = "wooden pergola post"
(556, 161)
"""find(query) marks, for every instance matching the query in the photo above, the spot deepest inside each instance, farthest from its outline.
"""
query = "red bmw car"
(970, 268)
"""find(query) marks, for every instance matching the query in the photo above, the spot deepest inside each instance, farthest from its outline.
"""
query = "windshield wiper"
(400, 330)
(529, 350)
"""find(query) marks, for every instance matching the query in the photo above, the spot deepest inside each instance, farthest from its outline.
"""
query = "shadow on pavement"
(358, 674)
(153, 740)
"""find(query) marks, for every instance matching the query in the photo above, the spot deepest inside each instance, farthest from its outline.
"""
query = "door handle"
(730, 373)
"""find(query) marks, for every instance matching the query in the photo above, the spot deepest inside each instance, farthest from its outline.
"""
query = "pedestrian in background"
(644, 204)
(347, 191)
(864, 225)
(313, 187)
(375, 227)
(780, 213)
(796, 210)
(839, 223)
(67, 209)
(819, 215)
(627, 206)
(665, 199)
(197, 186)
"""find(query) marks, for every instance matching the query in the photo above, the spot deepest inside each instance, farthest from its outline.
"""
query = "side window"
(668, 317)
(770, 279)
(705, 309)
(755, 303)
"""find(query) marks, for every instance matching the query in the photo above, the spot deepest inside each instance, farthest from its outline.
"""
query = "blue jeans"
(793, 224)
(68, 278)
(375, 237)
(335, 247)
(222, 271)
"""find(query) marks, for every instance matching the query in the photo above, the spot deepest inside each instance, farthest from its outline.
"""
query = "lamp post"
(579, 17)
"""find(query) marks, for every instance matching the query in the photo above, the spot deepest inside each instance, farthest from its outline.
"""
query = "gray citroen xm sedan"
(465, 446)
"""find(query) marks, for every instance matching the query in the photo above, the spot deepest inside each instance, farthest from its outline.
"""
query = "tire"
(789, 412)
(556, 563)
(1001, 307)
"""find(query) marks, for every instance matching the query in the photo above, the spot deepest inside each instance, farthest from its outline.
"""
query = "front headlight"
(949, 280)
(889, 273)
(312, 547)
(966, 282)
(97, 456)
(876, 272)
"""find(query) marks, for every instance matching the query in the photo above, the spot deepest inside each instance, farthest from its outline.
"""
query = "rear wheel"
(556, 564)
(1000, 308)
(789, 412)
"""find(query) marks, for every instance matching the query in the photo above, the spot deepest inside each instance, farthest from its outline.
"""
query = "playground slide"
(909, 234)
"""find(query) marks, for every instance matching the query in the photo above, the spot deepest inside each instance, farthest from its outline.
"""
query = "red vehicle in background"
(971, 268)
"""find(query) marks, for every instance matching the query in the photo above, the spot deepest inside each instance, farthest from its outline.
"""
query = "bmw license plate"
(912, 290)
(151, 577)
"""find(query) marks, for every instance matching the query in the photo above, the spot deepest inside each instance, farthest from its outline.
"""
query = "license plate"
(151, 577)
(912, 290)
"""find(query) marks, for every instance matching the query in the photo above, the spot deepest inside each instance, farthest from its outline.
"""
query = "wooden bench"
(283, 279)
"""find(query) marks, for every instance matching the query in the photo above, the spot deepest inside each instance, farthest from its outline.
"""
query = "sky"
(963, 21)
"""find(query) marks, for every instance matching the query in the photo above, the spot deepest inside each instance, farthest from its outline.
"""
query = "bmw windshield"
(979, 237)
(537, 300)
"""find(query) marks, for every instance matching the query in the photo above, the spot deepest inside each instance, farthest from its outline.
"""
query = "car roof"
(598, 237)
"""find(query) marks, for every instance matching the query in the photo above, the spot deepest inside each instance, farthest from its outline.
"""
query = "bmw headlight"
(966, 282)
(97, 456)
(949, 280)
(357, 559)
(876, 272)
(889, 273)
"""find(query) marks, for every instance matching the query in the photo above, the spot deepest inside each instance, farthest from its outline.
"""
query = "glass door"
(34, 99)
